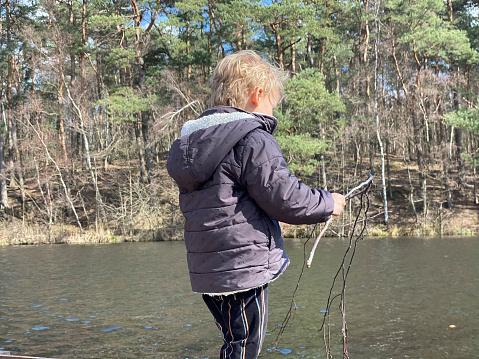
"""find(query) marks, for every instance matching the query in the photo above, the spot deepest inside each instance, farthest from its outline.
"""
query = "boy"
(234, 187)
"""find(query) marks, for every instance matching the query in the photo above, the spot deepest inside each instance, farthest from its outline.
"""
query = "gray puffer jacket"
(234, 187)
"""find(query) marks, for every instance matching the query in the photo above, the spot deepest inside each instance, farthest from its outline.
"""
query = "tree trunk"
(210, 33)
(81, 138)
(321, 56)
(277, 41)
(458, 136)
(103, 116)
(323, 172)
(83, 44)
(417, 139)
(323, 165)
(450, 11)
(3, 170)
(3, 182)
(188, 51)
(293, 60)
(366, 46)
(18, 158)
(309, 50)
(336, 73)
(239, 38)
(141, 151)
(371, 155)
(9, 84)
(476, 198)
(145, 129)
(445, 159)
(61, 130)
(376, 95)
(388, 167)
(61, 126)
(13, 150)
(72, 54)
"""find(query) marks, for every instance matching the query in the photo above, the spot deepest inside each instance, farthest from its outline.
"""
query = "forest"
(94, 92)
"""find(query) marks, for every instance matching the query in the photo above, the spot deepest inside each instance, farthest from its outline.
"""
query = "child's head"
(238, 75)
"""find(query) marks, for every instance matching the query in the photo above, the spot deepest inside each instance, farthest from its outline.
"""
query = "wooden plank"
(7, 355)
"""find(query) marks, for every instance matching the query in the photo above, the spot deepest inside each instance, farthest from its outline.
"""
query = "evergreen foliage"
(101, 80)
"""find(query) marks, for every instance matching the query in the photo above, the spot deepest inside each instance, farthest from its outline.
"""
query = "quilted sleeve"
(277, 192)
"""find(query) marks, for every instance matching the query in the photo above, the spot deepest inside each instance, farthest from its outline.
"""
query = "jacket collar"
(269, 122)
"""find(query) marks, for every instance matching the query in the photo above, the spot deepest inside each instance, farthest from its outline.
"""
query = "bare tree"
(376, 113)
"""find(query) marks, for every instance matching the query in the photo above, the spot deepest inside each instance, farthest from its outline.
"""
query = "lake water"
(405, 298)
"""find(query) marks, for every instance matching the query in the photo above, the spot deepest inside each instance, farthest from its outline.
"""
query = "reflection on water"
(134, 301)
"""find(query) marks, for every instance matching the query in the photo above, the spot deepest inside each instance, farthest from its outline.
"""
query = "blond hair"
(238, 75)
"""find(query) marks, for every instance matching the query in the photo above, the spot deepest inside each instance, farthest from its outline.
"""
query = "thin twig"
(345, 273)
(311, 255)
(331, 298)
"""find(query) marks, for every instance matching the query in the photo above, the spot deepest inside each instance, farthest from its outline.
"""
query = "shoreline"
(17, 234)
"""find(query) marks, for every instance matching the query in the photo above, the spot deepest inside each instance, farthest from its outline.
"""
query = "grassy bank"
(18, 233)
(132, 211)
(460, 222)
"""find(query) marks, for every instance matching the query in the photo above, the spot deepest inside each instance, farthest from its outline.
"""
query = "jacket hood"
(206, 141)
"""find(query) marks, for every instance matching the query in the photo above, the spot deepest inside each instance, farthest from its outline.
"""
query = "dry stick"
(290, 311)
(344, 275)
(308, 263)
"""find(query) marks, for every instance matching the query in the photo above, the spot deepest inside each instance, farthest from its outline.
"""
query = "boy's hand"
(339, 202)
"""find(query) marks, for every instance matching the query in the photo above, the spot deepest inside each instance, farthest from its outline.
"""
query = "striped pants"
(242, 318)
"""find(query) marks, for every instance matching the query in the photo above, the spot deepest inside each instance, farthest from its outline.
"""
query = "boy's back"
(234, 187)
